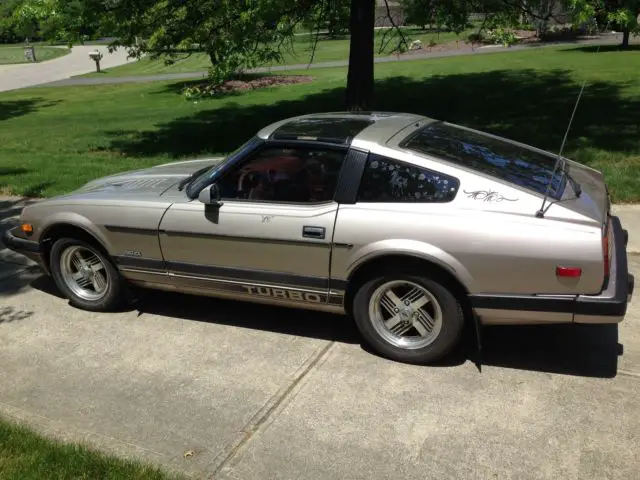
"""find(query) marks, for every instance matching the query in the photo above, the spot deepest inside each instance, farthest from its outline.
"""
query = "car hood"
(154, 181)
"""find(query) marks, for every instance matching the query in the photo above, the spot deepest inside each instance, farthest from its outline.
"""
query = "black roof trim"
(334, 130)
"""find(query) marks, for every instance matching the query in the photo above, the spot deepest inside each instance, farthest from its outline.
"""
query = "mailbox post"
(96, 56)
(30, 54)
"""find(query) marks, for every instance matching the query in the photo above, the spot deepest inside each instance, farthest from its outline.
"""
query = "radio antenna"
(540, 213)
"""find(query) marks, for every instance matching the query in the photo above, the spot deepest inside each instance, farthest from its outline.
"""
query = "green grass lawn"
(53, 140)
(298, 53)
(25, 455)
(10, 54)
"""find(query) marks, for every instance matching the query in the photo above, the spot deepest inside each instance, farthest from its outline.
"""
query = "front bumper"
(610, 306)
(23, 246)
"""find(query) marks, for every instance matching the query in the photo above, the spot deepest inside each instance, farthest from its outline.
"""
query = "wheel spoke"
(401, 328)
(77, 276)
(393, 322)
(96, 264)
(425, 321)
(388, 305)
(411, 295)
(98, 282)
(420, 328)
(81, 259)
(77, 262)
(420, 302)
(393, 298)
(83, 282)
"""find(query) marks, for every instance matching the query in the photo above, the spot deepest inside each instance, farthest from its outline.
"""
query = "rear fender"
(411, 248)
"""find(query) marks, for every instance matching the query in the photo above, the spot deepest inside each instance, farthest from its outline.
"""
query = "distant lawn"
(53, 140)
(24, 455)
(10, 54)
(326, 50)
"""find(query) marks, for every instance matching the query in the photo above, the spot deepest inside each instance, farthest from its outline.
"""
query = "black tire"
(114, 296)
(450, 331)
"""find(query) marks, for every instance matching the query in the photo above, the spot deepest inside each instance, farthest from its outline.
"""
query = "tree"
(330, 15)
(419, 12)
(240, 34)
(235, 34)
(620, 13)
(9, 32)
(68, 21)
(360, 73)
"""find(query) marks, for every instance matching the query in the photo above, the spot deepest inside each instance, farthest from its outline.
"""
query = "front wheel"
(408, 318)
(85, 275)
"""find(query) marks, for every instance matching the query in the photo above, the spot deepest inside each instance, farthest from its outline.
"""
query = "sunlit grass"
(53, 140)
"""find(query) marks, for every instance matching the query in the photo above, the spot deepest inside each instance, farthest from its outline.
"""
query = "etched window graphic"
(387, 180)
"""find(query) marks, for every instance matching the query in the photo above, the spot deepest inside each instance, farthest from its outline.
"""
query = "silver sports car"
(410, 225)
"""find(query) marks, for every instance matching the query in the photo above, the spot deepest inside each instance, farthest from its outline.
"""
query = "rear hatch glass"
(518, 165)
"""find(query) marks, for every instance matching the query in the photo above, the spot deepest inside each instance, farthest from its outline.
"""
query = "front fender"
(410, 248)
(74, 220)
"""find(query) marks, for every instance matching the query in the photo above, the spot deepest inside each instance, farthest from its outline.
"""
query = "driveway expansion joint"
(264, 414)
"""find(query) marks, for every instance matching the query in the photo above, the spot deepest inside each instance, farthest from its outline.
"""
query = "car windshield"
(207, 177)
(489, 155)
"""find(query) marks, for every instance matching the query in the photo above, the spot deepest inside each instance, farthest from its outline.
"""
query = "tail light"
(607, 240)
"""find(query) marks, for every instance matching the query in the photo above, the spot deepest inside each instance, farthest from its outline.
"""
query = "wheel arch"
(72, 229)
(406, 261)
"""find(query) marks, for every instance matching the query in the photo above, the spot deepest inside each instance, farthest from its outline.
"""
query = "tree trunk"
(360, 76)
(625, 37)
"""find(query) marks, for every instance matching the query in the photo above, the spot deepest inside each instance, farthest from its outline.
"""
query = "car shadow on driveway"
(578, 350)
(572, 349)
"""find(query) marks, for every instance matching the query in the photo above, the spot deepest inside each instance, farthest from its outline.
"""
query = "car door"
(271, 237)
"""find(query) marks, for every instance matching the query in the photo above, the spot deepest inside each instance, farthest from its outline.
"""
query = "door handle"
(313, 232)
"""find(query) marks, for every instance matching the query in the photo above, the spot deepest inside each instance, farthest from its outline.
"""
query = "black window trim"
(350, 176)
(373, 155)
(271, 143)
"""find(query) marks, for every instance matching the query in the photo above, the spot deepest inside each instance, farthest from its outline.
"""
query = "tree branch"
(317, 34)
(396, 28)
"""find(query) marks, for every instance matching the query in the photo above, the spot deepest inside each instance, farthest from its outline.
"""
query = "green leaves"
(235, 34)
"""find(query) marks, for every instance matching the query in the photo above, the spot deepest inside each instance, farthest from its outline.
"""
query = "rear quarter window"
(389, 180)
(488, 155)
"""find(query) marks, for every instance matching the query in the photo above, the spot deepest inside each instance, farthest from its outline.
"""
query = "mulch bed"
(262, 82)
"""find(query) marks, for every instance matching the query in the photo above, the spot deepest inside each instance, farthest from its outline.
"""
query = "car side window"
(388, 180)
(289, 175)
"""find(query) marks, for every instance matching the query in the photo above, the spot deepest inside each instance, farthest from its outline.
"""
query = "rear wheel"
(85, 275)
(408, 318)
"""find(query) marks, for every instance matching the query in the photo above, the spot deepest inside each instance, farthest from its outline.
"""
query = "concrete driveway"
(76, 62)
(265, 393)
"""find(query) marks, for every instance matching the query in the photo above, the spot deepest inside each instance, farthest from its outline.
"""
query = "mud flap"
(478, 326)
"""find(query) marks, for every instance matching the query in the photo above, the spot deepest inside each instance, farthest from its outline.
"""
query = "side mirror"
(210, 195)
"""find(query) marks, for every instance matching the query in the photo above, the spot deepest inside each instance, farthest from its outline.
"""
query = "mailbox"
(30, 54)
(96, 56)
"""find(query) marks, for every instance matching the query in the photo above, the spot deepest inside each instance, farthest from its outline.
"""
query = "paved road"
(258, 392)
(75, 63)
(606, 40)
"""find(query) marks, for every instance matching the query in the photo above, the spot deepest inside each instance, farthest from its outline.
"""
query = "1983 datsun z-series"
(400, 220)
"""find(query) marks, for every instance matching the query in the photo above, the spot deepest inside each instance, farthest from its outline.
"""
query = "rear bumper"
(610, 306)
